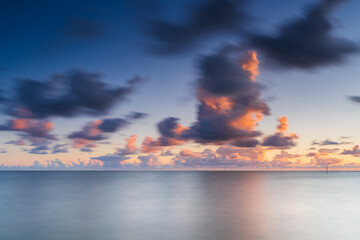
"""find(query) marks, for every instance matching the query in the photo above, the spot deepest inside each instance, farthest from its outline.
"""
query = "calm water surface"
(179, 205)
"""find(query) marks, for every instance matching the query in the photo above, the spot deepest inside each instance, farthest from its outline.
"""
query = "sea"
(176, 205)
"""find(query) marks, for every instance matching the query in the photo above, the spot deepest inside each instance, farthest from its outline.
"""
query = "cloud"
(57, 165)
(119, 160)
(170, 131)
(112, 124)
(227, 157)
(284, 160)
(150, 145)
(323, 152)
(329, 142)
(326, 161)
(224, 157)
(69, 95)
(122, 157)
(167, 153)
(355, 151)
(59, 148)
(355, 99)
(284, 155)
(281, 139)
(100, 129)
(130, 147)
(111, 160)
(20, 142)
(208, 19)
(306, 42)
(33, 128)
(3, 150)
(227, 114)
(91, 132)
(136, 115)
(150, 160)
(222, 75)
(39, 149)
(86, 149)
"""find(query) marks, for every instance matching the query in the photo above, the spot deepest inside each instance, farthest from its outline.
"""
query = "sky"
(179, 85)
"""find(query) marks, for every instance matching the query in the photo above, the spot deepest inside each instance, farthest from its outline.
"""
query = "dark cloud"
(136, 115)
(39, 149)
(2, 150)
(150, 160)
(229, 98)
(34, 133)
(30, 128)
(345, 137)
(245, 142)
(355, 99)
(323, 152)
(168, 126)
(229, 105)
(355, 151)
(109, 125)
(170, 134)
(112, 124)
(89, 132)
(59, 148)
(100, 129)
(209, 18)
(306, 42)
(212, 129)
(280, 140)
(329, 142)
(86, 149)
(221, 75)
(56, 165)
(19, 142)
(111, 160)
(70, 95)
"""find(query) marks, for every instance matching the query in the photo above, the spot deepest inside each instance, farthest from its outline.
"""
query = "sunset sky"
(173, 85)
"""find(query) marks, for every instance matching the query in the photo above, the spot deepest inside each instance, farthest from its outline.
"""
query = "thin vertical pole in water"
(327, 170)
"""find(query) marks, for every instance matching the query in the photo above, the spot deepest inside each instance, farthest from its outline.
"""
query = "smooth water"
(179, 205)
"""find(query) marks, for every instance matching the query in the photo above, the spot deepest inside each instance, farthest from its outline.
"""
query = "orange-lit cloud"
(35, 132)
(283, 124)
(88, 135)
(281, 139)
(171, 134)
(131, 143)
(229, 105)
(130, 146)
(251, 64)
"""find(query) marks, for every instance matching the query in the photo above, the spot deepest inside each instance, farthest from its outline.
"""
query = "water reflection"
(178, 205)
